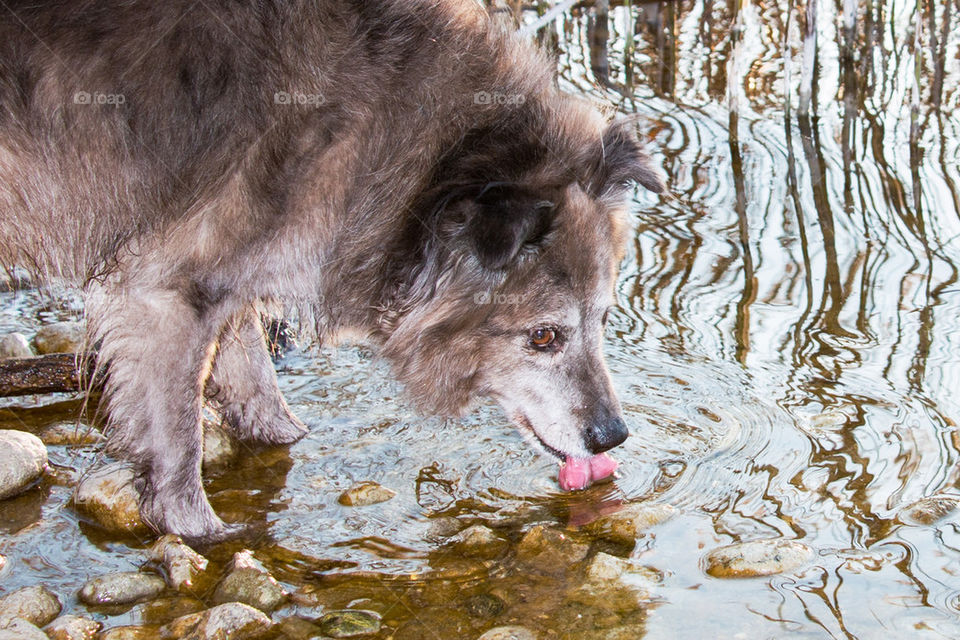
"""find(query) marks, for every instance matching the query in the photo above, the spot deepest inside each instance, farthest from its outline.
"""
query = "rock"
(478, 540)
(73, 628)
(71, 433)
(15, 345)
(59, 337)
(484, 605)
(294, 628)
(350, 623)
(364, 494)
(614, 584)
(218, 446)
(233, 620)
(129, 633)
(23, 459)
(166, 608)
(180, 563)
(509, 633)
(930, 510)
(108, 497)
(626, 525)
(37, 605)
(122, 588)
(550, 550)
(757, 558)
(250, 583)
(20, 629)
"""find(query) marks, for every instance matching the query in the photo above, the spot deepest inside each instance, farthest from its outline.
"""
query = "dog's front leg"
(159, 348)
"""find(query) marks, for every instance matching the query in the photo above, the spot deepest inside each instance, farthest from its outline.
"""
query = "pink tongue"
(577, 473)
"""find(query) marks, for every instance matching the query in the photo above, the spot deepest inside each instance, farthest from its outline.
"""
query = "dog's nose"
(605, 434)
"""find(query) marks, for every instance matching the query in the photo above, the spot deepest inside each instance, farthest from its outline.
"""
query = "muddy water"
(787, 350)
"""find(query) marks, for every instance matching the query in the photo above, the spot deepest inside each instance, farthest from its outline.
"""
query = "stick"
(52, 373)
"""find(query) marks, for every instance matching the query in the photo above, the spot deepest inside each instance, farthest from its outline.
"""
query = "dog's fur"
(424, 184)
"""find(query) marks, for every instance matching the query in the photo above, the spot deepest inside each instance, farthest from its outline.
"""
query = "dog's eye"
(543, 338)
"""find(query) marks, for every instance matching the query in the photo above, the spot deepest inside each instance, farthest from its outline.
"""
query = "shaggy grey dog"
(401, 168)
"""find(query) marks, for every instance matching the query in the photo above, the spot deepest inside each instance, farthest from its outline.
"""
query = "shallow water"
(787, 350)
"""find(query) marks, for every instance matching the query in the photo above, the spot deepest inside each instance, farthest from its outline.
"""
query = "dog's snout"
(605, 434)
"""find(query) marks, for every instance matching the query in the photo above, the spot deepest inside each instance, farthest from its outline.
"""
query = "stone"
(180, 563)
(108, 497)
(23, 459)
(294, 628)
(757, 558)
(218, 446)
(20, 629)
(350, 623)
(59, 337)
(478, 541)
(364, 494)
(930, 510)
(232, 620)
(122, 588)
(614, 584)
(73, 628)
(15, 345)
(626, 525)
(129, 632)
(485, 605)
(550, 550)
(250, 583)
(71, 433)
(37, 605)
(508, 633)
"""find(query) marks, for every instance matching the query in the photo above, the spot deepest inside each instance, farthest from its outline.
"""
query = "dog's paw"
(283, 428)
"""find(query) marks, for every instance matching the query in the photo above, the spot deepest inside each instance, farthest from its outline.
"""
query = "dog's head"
(512, 286)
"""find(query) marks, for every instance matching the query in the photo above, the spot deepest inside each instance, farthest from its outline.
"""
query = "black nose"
(605, 434)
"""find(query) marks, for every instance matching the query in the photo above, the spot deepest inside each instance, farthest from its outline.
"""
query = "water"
(787, 350)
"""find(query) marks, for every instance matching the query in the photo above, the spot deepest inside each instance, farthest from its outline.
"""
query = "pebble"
(626, 525)
(20, 629)
(71, 433)
(218, 446)
(478, 540)
(350, 623)
(509, 633)
(129, 632)
(108, 497)
(485, 605)
(122, 588)
(364, 494)
(233, 620)
(73, 628)
(614, 584)
(23, 459)
(59, 337)
(294, 628)
(757, 558)
(550, 550)
(15, 345)
(37, 605)
(930, 510)
(250, 583)
(180, 563)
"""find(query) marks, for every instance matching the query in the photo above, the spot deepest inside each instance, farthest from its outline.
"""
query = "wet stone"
(549, 550)
(295, 628)
(37, 605)
(484, 605)
(232, 620)
(350, 623)
(250, 583)
(509, 633)
(122, 588)
(71, 434)
(59, 337)
(757, 558)
(15, 345)
(110, 499)
(478, 540)
(20, 629)
(218, 446)
(930, 510)
(626, 525)
(164, 609)
(180, 563)
(129, 633)
(73, 628)
(23, 459)
(614, 584)
(364, 494)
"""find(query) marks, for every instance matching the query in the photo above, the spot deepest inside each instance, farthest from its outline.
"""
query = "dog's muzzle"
(605, 432)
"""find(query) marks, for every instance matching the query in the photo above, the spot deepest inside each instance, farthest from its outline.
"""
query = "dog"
(402, 169)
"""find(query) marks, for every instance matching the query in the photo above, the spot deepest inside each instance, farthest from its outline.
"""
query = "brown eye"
(542, 338)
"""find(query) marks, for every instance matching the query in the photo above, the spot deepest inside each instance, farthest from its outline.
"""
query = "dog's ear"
(506, 217)
(621, 161)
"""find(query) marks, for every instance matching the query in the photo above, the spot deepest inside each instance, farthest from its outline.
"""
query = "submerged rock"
(73, 628)
(129, 632)
(509, 633)
(250, 583)
(364, 494)
(15, 345)
(71, 434)
(614, 584)
(350, 623)
(550, 550)
(59, 337)
(122, 588)
(20, 629)
(626, 525)
(37, 605)
(295, 628)
(930, 510)
(218, 446)
(108, 497)
(485, 605)
(23, 459)
(757, 558)
(478, 540)
(180, 563)
(233, 620)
